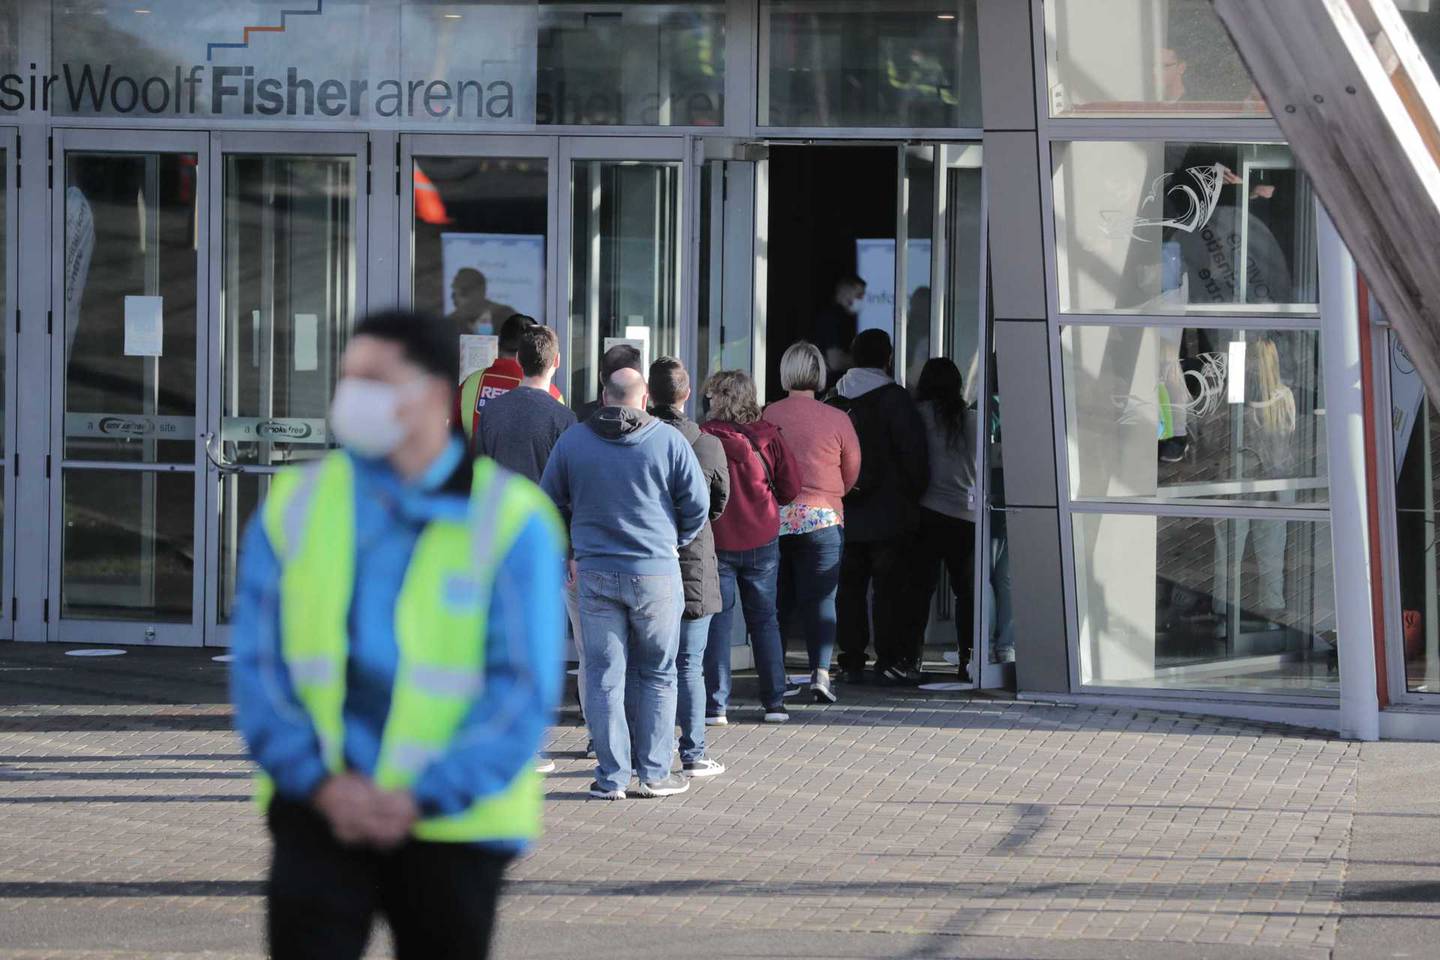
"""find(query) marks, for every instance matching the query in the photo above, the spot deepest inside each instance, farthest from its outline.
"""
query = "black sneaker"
(669, 787)
(855, 675)
(598, 792)
(894, 676)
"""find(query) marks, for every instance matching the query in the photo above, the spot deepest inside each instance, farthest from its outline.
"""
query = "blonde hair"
(1275, 410)
(732, 397)
(802, 367)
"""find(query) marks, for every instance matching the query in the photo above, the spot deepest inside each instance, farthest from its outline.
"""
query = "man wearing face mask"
(397, 655)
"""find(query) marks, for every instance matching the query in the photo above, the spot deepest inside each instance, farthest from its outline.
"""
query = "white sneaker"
(669, 787)
(704, 767)
(544, 765)
(719, 721)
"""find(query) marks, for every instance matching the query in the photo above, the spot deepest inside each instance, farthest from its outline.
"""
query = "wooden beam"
(1358, 104)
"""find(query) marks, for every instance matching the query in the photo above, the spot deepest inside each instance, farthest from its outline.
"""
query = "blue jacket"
(523, 653)
(631, 490)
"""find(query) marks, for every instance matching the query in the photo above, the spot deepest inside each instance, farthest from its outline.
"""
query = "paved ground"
(889, 825)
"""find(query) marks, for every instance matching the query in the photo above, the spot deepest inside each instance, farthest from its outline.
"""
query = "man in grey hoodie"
(881, 511)
(633, 494)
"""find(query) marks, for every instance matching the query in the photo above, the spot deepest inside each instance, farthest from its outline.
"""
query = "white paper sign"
(477, 351)
(512, 269)
(641, 344)
(144, 326)
(307, 342)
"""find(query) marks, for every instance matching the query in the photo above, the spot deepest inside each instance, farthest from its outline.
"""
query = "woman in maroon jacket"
(763, 477)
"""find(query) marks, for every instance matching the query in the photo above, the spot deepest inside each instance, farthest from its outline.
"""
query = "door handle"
(214, 452)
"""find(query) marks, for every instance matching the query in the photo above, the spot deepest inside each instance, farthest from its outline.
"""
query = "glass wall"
(631, 63)
(1165, 227)
(1148, 58)
(869, 63)
(1187, 317)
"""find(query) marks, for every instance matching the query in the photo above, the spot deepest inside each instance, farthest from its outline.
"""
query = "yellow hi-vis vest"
(440, 628)
(469, 394)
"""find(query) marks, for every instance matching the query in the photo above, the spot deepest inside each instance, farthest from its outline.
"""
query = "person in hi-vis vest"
(397, 659)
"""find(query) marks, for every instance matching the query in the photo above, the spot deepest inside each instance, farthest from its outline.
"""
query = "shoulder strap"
(764, 464)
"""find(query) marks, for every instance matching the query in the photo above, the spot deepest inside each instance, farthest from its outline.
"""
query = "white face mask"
(365, 416)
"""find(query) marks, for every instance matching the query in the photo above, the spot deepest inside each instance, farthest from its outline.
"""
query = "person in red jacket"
(496, 380)
(763, 478)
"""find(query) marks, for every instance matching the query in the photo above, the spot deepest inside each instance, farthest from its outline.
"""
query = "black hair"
(510, 330)
(426, 341)
(619, 357)
(941, 384)
(849, 280)
(538, 348)
(871, 348)
(669, 381)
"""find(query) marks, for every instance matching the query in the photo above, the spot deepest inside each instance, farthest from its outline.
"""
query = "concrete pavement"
(891, 824)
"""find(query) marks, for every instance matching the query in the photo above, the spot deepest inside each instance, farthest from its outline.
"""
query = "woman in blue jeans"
(762, 478)
(823, 444)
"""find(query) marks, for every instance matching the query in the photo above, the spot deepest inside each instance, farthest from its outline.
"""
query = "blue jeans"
(631, 629)
(752, 575)
(690, 668)
(809, 575)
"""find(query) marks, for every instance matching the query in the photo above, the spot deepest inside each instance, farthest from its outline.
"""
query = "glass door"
(732, 268)
(623, 224)
(130, 288)
(286, 287)
(479, 234)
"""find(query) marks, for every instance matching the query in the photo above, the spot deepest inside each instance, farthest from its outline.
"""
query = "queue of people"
(397, 647)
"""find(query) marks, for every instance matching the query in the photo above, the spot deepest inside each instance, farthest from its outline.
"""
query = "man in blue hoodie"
(633, 494)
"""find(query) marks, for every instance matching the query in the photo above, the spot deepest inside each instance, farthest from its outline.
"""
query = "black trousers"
(866, 564)
(439, 898)
(952, 540)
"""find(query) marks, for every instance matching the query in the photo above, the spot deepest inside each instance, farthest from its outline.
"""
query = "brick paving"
(125, 828)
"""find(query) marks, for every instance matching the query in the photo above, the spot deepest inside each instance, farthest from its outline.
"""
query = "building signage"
(456, 63)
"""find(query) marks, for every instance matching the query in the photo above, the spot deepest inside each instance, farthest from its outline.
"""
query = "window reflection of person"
(1269, 453)
(474, 311)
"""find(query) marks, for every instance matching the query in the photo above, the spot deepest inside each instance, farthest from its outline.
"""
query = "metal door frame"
(276, 143)
(139, 631)
(9, 306)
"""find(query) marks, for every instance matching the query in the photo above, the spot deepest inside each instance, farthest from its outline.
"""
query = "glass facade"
(1144, 58)
(860, 63)
(1166, 227)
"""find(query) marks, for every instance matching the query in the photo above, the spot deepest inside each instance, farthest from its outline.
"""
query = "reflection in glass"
(1154, 227)
(128, 545)
(1150, 58)
(288, 295)
(478, 238)
(833, 63)
(964, 310)
(1002, 611)
(130, 307)
(1416, 426)
(629, 63)
(240, 495)
(625, 263)
(1156, 413)
(919, 244)
(1239, 605)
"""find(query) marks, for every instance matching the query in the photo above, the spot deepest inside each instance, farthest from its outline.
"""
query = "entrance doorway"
(782, 222)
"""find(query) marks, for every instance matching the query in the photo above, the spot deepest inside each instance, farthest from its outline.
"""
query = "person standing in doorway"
(948, 509)
(669, 392)
(837, 325)
(882, 512)
(474, 311)
(397, 660)
(812, 534)
(496, 380)
(762, 478)
(634, 494)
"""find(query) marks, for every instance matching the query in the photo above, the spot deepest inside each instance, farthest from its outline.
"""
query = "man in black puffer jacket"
(669, 391)
(881, 511)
